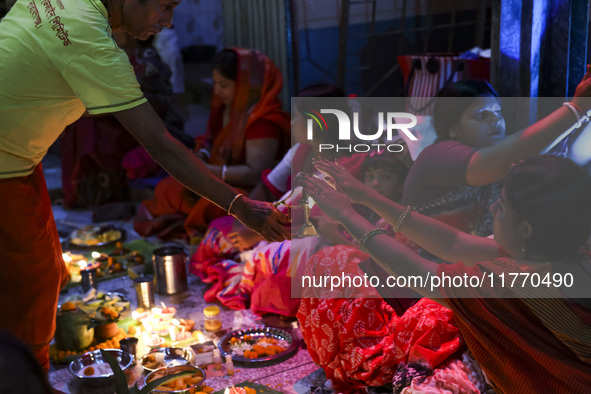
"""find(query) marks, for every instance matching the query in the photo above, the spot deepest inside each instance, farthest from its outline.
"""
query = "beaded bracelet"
(402, 218)
(369, 235)
(232, 203)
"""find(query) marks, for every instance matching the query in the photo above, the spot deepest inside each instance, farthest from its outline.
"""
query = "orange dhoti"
(33, 270)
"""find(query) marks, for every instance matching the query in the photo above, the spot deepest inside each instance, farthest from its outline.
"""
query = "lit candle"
(157, 311)
(200, 337)
(99, 257)
(67, 258)
(147, 326)
(172, 332)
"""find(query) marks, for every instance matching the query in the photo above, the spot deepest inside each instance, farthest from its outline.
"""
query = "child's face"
(383, 181)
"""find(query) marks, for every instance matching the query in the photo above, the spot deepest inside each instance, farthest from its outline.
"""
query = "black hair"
(226, 63)
(447, 112)
(20, 371)
(553, 195)
(387, 161)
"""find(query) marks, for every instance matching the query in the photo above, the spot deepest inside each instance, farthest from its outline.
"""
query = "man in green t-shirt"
(58, 60)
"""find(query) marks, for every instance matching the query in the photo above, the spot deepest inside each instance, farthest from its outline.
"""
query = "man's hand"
(263, 218)
(243, 238)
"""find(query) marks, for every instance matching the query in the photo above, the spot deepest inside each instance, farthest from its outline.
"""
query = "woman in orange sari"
(530, 333)
(246, 132)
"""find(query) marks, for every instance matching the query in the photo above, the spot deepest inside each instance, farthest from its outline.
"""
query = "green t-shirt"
(57, 59)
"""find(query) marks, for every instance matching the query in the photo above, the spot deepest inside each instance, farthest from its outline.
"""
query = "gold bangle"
(402, 218)
(232, 203)
(369, 235)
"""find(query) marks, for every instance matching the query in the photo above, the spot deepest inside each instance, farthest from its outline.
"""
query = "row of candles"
(156, 322)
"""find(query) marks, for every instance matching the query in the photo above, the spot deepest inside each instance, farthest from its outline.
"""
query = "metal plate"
(92, 359)
(77, 236)
(259, 332)
(168, 357)
(94, 305)
(172, 370)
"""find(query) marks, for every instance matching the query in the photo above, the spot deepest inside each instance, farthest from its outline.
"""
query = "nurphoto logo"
(394, 121)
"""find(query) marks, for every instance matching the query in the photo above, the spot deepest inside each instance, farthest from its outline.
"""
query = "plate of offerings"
(258, 346)
(96, 236)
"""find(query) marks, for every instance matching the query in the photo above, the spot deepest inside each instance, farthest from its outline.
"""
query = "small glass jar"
(213, 321)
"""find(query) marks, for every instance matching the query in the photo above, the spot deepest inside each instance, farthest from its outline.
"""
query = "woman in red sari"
(246, 132)
(527, 338)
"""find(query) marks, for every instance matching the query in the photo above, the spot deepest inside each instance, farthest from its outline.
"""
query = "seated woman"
(228, 247)
(455, 179)
(246, 132)
(526, 338)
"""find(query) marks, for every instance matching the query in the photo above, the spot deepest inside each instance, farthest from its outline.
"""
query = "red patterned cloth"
(360, 342)
(539, 344)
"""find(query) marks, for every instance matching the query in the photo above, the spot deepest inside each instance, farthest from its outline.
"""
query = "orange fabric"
(258, 84)
(520, 343)
(33, 271)
(170, 197)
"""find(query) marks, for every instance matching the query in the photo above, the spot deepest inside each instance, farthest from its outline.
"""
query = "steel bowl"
(95, 359)
(167, 357)
(160, 372)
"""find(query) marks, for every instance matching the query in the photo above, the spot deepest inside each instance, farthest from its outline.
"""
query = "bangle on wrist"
(205, 152)
(402, 218)
(369, 235)
(576, 111)
(232, 203)
(224, 172)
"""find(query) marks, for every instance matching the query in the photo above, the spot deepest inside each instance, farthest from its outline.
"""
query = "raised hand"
(335, 204)
(583, 91)
(342, 180)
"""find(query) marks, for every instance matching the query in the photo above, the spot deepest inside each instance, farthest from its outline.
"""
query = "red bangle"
(264, 177)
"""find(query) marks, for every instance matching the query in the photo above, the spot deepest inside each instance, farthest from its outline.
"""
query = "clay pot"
(106, 331)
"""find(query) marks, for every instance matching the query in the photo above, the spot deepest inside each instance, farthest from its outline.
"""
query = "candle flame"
(82, 263)
(147, 326)
(96, 255)
(67, 258)
(200, 337)
(157, 311)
